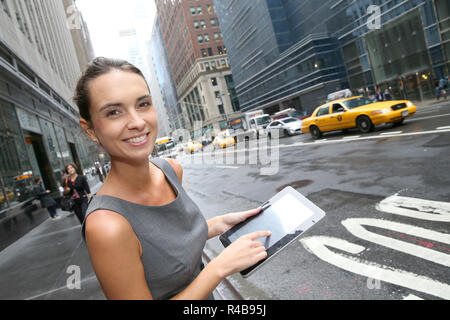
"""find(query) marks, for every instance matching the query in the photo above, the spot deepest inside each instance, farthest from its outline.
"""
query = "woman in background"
(77, 187)
(45, 198)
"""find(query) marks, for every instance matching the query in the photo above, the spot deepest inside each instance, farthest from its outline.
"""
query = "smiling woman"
(144, 234)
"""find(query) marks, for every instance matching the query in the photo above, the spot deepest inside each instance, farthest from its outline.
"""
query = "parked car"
(286, 127)
(356, 112)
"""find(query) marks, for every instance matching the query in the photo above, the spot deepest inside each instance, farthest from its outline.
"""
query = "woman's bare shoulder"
(105, 228)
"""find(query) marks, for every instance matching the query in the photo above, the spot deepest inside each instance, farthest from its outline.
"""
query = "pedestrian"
(77, 187)
(46, 200)
(144, 234)
(443, 85)
(437, 89)
(387, 96)
(379, 95)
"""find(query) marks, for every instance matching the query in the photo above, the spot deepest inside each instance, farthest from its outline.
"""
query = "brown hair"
(97, 67)
(70, 164)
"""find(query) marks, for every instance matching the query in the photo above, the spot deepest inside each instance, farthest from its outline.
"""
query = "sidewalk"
(41, 264)
(429, 103)
(35, 266)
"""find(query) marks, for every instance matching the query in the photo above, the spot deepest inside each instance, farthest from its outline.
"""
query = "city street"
(387, 200)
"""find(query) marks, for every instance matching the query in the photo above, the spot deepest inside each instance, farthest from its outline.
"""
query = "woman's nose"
(135, 121)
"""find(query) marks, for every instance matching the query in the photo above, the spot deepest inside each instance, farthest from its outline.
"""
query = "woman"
(77, 187)
(45, 198)
(144, 234)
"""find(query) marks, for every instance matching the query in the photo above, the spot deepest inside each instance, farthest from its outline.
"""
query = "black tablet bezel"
(276, 247)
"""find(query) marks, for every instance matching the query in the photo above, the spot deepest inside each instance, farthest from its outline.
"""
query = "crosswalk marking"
(410, 207)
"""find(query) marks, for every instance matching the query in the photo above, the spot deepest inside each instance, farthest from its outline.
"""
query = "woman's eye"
(145, 104)
(112, 113)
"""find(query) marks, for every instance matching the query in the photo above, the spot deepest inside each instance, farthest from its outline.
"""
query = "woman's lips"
(138, 141)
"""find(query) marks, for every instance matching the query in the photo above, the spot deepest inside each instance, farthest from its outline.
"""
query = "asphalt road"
(386, 194)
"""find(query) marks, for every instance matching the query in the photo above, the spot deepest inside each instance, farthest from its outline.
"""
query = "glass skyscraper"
(292, 53)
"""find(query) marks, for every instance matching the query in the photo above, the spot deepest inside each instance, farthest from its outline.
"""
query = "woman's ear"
(87, 127)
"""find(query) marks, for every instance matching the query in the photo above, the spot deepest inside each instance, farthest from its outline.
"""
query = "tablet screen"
(282, 217)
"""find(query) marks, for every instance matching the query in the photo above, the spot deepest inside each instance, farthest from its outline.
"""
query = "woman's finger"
(259, 234)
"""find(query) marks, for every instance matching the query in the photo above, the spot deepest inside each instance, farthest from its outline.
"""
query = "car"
(286, 127)
(193, 146)
(223, 140)
(291, 112)
(356, 112)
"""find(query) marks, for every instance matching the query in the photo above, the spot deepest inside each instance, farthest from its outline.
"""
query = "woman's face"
(123, 118)
(71, 170)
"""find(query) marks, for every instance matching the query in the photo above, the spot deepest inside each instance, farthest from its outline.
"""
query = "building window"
(203, 24)
(4, 5)
(196, 24)
(204, 53)
(217, 35)
(210, 52)
(220, 50)
(206, 37)
(199, 10)
(213, 65)
(200, 38)
(214, 82)
(212, 22)
(210, 8)
(193, 11)
(207, 67)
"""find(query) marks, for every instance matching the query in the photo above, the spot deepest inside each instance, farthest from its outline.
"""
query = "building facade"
(199, 64)
(161, 84)
(292, 53)
(39, 126)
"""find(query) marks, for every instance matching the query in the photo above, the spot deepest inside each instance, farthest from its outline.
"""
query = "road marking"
(355, 227)
(318, 246)
(423, 209)
(352, 137)
(227, 167)
(416, 208)
(423, 118)
(412, 297)
(443, 128)
(389, 133)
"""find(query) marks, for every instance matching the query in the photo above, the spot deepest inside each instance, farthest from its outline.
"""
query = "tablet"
(287, 215)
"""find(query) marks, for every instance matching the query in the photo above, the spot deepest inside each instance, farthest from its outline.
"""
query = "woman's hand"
(241, 254)
(221, 224)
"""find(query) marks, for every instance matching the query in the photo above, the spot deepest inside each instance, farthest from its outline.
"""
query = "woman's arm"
(116, 253)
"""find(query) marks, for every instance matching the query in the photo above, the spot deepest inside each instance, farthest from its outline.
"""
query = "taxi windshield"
(357, 102)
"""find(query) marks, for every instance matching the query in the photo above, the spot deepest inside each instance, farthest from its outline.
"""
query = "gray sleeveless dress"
(172, 236)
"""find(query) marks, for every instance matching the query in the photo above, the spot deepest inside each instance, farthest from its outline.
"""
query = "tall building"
(162, 85)
(39, 127)
(80, 34)
(199, 63)
(292, 53)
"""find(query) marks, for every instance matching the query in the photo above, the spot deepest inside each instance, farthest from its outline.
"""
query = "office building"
(199, 63)
(292, 53)
(39, 128)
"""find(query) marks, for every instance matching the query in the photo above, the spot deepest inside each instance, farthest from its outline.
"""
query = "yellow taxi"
(193, 146)
(223, 140)
(356, 112)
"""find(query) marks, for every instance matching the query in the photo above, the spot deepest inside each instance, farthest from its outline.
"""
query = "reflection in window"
(15, 170)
